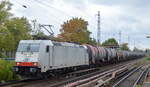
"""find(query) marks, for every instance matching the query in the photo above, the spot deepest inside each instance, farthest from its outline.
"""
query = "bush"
(6, 70)
(148, 58)
(2, 55)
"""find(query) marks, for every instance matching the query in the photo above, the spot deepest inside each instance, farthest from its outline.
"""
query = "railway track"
(94, 78)
(134, 78)
(75, 76)
(100, 78)
(141, 78)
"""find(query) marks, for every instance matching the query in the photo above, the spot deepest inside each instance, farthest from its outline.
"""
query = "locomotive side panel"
(64, 56)
(45, 55)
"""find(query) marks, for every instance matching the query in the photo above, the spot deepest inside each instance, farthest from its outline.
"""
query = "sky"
(130, 17)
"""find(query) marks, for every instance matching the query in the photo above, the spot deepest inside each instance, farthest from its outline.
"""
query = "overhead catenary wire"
(48, 5)
(58, 10)
(28, 5)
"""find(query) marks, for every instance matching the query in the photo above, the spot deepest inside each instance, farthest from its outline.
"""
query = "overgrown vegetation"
(6, 71)
(148, 58)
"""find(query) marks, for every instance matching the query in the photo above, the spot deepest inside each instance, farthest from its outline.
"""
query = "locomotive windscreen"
(28, 47)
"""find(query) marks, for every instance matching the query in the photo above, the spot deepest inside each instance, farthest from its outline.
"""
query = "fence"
(8, 59)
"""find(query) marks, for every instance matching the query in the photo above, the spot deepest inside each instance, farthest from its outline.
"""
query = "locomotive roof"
(65, 44)
(52, 42)
(30, 41)
(37, 41)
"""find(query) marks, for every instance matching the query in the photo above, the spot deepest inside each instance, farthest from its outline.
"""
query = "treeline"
(12, 29)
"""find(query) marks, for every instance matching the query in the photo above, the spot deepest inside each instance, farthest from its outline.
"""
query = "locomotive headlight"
(17, 63)
(35, 64)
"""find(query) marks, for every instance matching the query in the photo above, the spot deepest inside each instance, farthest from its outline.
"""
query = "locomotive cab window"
(47, 48)
(28, 47)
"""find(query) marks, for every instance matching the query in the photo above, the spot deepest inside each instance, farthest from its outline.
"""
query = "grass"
(148, 58)
(138, 86)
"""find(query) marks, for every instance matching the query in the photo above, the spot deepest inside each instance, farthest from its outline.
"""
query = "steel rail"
(139, 77)
(126, 76)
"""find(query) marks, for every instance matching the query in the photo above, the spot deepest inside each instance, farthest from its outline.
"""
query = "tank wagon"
(45, 56)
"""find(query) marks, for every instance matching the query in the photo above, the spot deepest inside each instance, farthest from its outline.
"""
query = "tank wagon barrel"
(46, 56)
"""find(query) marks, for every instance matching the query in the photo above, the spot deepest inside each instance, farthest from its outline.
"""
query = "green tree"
(6, 40)
(12, 29)
(75, 30)
(92, 41)
(5, 7)
(19, 28)
(124, 46)
(110, 42)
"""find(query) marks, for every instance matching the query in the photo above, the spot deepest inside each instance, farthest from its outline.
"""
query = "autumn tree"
(75, 30)
(110, 42)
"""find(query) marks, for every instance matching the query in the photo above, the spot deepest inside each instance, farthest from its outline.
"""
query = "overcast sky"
(131, 17)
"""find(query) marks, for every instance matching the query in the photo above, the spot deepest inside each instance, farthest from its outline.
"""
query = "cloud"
(126, 3)
(129, 16)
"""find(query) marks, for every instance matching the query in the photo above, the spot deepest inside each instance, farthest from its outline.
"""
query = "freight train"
(35, 57)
